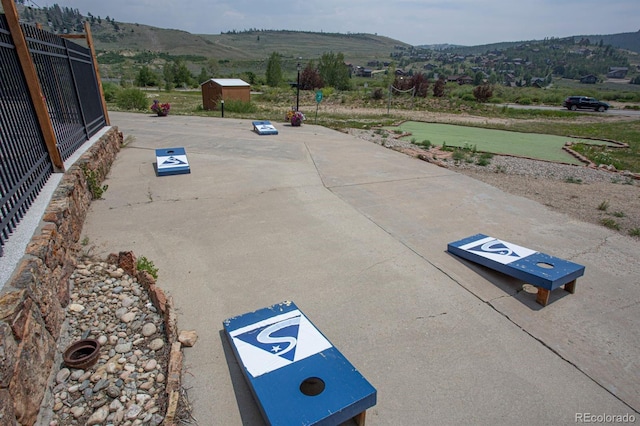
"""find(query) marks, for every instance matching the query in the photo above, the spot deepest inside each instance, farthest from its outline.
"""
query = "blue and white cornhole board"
(296, 375)
(541, 270)
(264, 128)
(171, 161)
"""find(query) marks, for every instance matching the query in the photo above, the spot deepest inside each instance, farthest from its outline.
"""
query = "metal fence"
(68, 81)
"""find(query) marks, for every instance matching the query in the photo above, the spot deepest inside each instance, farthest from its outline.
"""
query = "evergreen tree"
(146, 77)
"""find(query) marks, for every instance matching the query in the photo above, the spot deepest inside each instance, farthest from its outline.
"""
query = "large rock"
(127, 261)
(7, 414)
(8, 350)
(35, 356)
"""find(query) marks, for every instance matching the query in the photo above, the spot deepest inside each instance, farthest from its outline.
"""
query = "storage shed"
(217, 89)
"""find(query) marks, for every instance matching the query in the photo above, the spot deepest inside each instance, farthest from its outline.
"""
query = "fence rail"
(72, 95)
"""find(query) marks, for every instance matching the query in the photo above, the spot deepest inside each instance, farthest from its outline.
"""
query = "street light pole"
(298, 89)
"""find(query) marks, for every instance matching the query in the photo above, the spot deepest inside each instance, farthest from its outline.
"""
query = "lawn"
(530, 145)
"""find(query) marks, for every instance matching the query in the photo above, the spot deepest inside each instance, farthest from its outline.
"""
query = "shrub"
(241, 107)
(483, 92)
(377, 94)
(144, 264)
(458, 155)
(132, 99)
(110, 91)
(426, 144)
(603, 205)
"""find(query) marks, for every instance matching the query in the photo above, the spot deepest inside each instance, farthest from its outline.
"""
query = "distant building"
(589, 79)
(224, 89)
(617, 72)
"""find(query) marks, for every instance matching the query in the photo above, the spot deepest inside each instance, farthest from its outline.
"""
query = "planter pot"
(163, 114)
(82, 354)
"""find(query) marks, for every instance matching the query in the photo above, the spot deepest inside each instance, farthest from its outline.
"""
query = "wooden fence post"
(33, 84)
(89, 38)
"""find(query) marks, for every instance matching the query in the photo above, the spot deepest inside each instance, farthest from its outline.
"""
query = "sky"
(416, 22)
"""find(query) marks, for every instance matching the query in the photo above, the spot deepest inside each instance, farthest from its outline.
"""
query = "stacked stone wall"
(32, 303)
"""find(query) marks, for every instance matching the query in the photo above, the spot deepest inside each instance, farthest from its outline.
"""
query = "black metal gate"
(68, 80)
(25, 165)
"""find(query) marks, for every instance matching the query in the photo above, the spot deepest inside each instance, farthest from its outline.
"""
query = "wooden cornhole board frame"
(264, 128)
(172, 161)
(543, 271)
(296, 375)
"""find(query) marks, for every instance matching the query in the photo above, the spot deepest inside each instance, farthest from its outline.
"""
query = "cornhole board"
(541, 270)
(171, 161)
(296, 375)
(264, 128)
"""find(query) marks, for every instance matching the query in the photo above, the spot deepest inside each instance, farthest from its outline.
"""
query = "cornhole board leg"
(295, 374)
(543, 271)
(171, 161)
(543, 294)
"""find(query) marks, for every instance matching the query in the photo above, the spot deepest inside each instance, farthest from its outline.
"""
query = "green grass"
(610, 223)
(531, 145)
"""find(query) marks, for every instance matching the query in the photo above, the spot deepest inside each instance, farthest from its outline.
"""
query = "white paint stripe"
(265, 322)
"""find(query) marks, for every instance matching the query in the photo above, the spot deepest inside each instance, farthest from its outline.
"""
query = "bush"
(144, 264)
(110, 91)
(483, 92)
(240, 107)
(132, 99)
(377, 94)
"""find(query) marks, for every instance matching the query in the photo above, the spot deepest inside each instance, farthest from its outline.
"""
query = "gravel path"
(597, 196)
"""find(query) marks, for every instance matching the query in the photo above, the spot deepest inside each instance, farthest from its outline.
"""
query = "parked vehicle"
(584, 102)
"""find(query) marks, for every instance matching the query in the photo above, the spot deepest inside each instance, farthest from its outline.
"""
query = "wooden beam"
(87, 31)
(33, 84)
(73, 36)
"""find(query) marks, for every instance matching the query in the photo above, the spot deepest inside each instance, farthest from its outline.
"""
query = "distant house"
(538, 82)
(589, 79)
(460, 79)
(223, 89)
(617, 72)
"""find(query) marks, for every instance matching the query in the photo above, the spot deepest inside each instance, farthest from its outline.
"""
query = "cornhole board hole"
(296, 375)
(264, 128)
(543, 271)
(171, 161)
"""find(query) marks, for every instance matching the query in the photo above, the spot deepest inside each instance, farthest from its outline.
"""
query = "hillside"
(124, 48)
(112, 36)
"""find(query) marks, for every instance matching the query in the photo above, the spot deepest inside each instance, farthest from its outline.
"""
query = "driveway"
(356, 235)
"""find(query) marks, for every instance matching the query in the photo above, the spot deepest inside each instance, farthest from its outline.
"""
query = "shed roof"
(229, 82)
